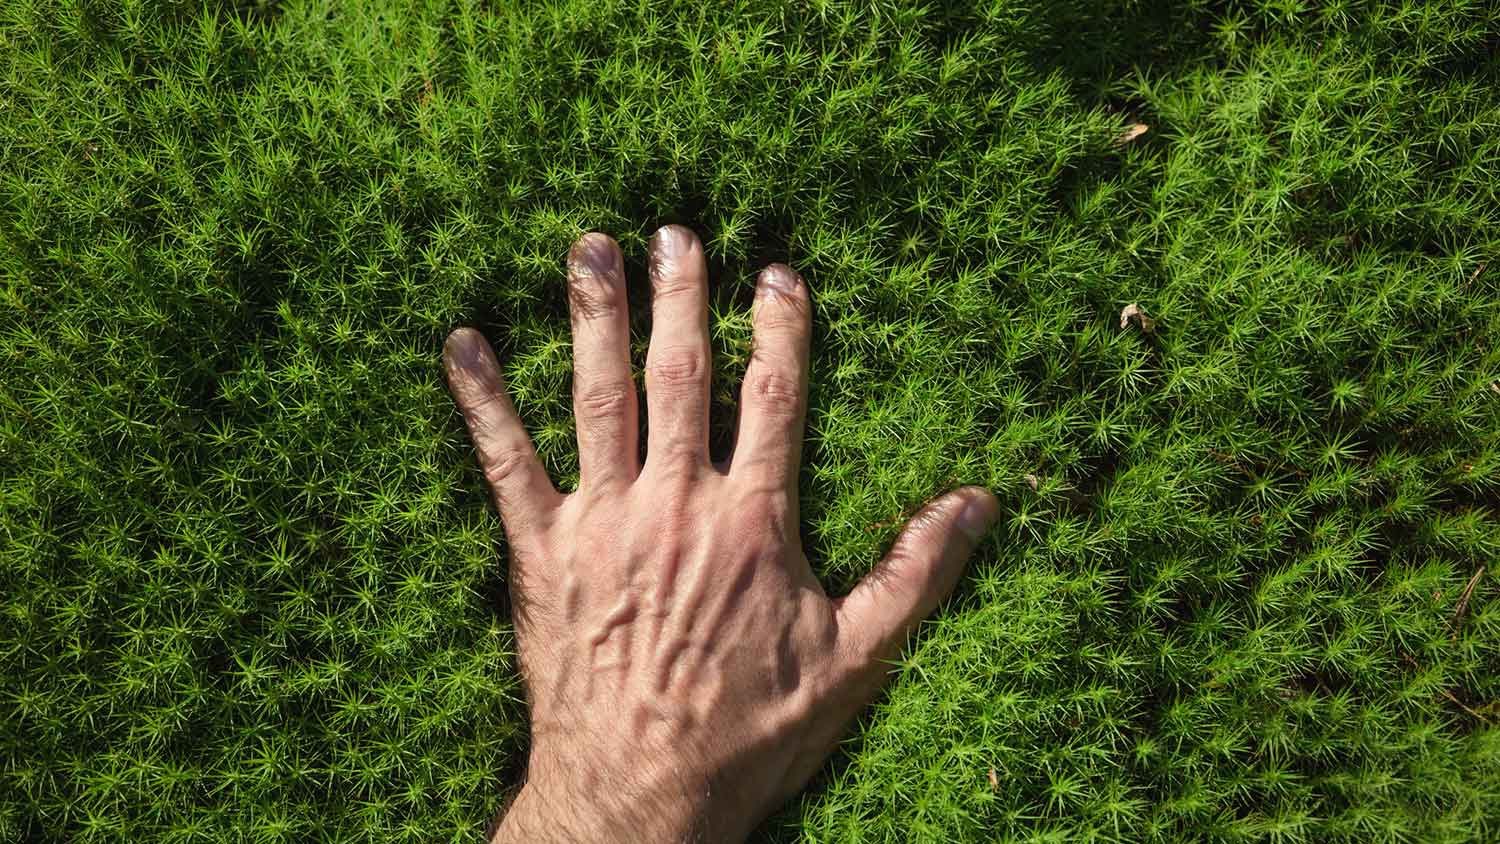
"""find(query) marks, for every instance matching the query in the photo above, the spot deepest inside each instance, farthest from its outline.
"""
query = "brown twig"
(1461, 705)
(1446, 693)
(1463, 605)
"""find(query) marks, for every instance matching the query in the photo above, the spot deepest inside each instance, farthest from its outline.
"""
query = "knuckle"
(502, 465)
(676, 366)
(752, 510)
(673, 484)
(603, 398)
(768, 474)
(760, 518)
(773, 390)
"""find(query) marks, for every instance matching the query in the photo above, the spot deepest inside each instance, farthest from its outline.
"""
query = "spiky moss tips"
(249, 574)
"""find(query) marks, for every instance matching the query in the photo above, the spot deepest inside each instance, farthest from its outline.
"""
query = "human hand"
(685, 671)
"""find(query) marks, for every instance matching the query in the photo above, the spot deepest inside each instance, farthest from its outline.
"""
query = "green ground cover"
(249, 588)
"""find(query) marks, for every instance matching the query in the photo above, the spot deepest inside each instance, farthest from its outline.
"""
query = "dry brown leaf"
(994, 780)
(1133, 131)
(1033, 481)
(1133, 311)
(1495, 386)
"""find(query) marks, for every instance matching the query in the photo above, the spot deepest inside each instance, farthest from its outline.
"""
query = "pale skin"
(685, 671)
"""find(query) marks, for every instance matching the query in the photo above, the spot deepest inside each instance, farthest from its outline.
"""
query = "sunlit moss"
(249, 581)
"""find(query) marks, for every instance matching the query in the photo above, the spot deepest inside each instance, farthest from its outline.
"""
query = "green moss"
(249, 588)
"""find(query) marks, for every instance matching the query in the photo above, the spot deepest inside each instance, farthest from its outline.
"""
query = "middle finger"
(677, 370)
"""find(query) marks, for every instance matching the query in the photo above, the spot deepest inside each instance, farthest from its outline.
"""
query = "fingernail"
(978, 516)
(778, 280)
(671, 241)
(463, 350)
(593, 253)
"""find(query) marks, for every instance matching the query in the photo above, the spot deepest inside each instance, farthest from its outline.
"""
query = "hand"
(685, 671)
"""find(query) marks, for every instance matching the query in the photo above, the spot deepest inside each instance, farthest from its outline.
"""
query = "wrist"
(577, 800)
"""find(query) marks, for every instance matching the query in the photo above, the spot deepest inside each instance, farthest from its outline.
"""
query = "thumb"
(919, 572)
